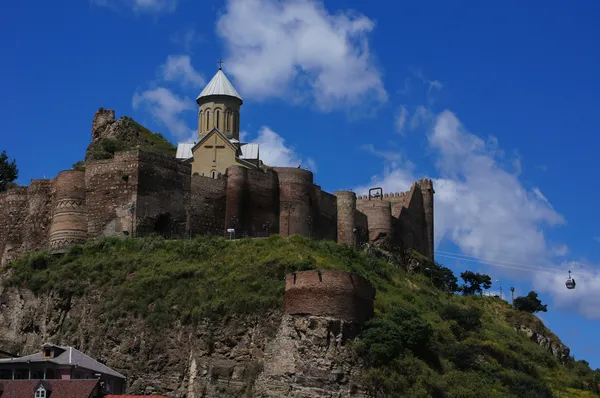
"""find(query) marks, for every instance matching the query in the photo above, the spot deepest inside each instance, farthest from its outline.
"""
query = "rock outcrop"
(559, 350)
(271, 355)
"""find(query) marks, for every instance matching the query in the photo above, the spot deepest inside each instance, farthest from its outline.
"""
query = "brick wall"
(207, 205)
(237, 197)
(262, 204)
(163, 193)
(14, 215)
(295, 187)
(346, 217)
(379, 215)
(39, 214)
(69, 215)
(325, 215)
(337, 294)
(111, 189)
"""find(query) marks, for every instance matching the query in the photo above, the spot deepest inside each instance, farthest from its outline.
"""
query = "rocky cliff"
(272, 355)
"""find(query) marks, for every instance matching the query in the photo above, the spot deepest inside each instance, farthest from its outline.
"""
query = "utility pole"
(290, 209)
(512, 293)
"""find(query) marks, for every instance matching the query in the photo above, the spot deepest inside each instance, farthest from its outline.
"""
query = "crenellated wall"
(144, 193)
(336, 294)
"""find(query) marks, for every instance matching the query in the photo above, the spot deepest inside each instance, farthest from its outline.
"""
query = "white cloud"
(387, 155)
(141, 6)
(179, 68)
(166, 107)
(484, 209)
(297, 49)
(401, 117)
(274, 152)
(422, 117)
(188, 39)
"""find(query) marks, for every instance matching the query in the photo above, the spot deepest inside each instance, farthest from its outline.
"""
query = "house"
(50, 389)
(59, 363)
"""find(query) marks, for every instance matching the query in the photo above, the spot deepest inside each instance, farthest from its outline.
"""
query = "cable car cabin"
(570, 282)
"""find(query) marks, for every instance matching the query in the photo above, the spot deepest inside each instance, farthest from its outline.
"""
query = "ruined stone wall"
(336, 294)
(111, 190)
(69, 214)
(208, 198)
(362, 227)
(428, 192)
(39, 214)
(346, 217)
(324, 215)
(14, 214)
(163, 193)
(410, 230)
(295, 187)
(262, 203)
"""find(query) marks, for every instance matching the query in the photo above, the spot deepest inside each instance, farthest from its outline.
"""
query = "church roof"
(219, 85)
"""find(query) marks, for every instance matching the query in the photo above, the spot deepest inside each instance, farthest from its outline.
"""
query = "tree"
(530, 303)
(474, 282)
(443, 278)
(8, 171)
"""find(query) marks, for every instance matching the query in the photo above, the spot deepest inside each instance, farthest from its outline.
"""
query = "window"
(227, 115)
(207, 121)
(40, 392)
(213, 174)
(47, 352)
(233, 122)
(218, 114)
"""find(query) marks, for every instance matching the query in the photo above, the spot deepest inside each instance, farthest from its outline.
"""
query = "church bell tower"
(219, 107)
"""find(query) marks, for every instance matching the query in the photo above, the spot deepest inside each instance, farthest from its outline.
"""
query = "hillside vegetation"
(421, 342)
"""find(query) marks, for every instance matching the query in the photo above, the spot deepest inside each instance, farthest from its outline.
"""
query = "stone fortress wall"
(332, 293)
(143, 192)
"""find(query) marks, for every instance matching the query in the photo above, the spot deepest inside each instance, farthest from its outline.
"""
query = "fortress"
(212, 185)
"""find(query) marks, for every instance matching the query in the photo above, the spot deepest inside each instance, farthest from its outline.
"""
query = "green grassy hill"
(422, 341)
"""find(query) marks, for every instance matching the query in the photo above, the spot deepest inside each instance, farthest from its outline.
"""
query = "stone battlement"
(139, 192)
(336, 294)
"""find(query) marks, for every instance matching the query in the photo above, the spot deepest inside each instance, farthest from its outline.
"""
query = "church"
(218, 145)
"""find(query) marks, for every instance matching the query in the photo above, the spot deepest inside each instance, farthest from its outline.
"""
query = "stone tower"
(219, 107)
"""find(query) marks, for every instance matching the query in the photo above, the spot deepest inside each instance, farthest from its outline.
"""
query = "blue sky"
(497, 103)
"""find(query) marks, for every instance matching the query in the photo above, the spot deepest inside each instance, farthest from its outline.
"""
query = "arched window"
(218, 114)
(227, 113)
(207, 120)
(234, 121)
(213, 174)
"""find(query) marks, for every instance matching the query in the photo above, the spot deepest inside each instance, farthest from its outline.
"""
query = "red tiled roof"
(59, 388)
(133, 396)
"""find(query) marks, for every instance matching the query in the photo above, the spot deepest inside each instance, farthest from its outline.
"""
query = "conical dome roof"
(219, 85)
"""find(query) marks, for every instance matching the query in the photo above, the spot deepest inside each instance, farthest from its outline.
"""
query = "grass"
(421, 342)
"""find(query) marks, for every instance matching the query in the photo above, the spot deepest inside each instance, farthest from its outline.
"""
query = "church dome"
(219, 85)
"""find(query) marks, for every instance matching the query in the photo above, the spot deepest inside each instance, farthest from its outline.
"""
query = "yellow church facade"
(218, 145)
